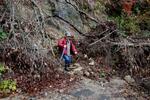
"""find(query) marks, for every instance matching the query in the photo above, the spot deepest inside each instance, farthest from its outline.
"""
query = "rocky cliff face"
(42, 22)
(61, 15)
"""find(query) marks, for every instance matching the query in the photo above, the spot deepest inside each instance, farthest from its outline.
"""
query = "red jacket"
(63, 42)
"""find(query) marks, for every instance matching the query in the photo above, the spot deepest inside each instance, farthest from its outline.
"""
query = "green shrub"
(146, 33)
(102, 74)
(2, 68)
(7, 86)
(3, 35)
(99, 6)
(127, 24)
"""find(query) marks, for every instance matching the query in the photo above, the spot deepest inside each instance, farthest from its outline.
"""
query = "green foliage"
(146, 33)
(138, 23)
(3, 35)
(136, 8)
(127, 24)
(99, 6)
(2, 68)
(144, 21)
(102, 74)
(85, 7)
(7, 86)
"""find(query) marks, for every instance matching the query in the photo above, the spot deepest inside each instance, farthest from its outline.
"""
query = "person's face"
(69, 37)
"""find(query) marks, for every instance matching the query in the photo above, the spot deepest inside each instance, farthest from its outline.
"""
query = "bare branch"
(129, 44)
(2, 16)
(102, 38)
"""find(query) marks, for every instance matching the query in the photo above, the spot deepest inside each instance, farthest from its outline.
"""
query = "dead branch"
(2, 16)
(12, 17)
(102, 38)
(129, 44)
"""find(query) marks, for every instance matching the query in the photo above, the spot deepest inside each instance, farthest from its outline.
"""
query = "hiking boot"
(67, 69)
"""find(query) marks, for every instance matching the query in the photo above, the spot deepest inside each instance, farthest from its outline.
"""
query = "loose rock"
(86, 73)
(129, 79)
(92, 63)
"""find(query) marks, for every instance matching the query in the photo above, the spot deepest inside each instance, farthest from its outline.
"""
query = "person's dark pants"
(68, 60)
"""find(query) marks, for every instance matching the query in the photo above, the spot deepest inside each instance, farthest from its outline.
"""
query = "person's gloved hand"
(65, 46)
(75, 53)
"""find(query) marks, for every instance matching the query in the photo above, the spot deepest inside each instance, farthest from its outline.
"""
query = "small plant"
(7, 86)
(3, 34)
(102, 74)
(2, 68)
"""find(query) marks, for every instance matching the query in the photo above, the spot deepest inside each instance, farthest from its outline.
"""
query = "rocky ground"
(87, 89)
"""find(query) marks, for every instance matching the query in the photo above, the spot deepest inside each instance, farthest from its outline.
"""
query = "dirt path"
(86, 89)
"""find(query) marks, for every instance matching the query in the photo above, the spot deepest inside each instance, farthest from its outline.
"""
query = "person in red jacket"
(67, 48)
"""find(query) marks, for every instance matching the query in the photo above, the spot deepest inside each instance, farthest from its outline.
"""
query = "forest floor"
(86, 88)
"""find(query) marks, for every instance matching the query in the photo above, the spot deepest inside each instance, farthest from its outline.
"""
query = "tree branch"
(2, 16)
(102, 38)
(129, 44)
